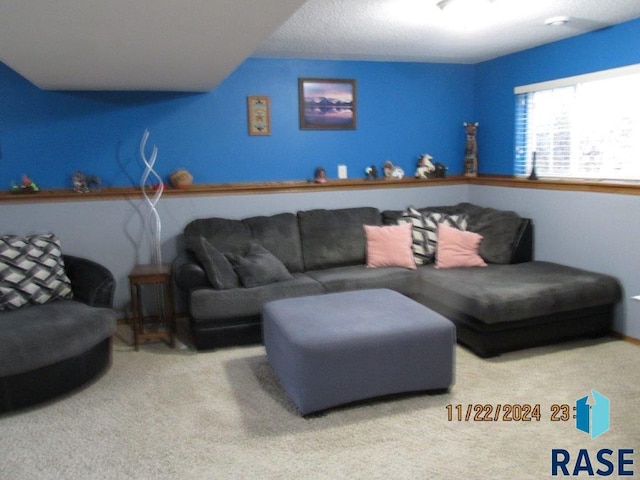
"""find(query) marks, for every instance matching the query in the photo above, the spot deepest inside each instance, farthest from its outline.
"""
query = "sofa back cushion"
(226, 235)
(278, 233)
(332, 238)
(499, 229)
(281, 236)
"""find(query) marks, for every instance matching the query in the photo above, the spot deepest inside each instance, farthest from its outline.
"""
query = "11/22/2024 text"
(507, 412)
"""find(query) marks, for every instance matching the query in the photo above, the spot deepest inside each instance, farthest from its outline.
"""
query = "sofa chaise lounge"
(515, 302)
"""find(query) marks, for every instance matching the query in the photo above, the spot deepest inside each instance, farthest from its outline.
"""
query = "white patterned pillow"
(419, 246)
(431, 221)
(31, 271)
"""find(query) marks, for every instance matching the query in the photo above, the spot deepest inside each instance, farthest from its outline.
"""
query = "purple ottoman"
(333, 349)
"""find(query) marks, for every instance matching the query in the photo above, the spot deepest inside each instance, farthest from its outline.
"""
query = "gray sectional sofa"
(513, 303)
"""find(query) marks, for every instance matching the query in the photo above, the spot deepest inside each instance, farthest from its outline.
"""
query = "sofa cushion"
(498, 228)
(419, 234)
(258, 267)
(332, 238)
(31, 271)
(457, 248)
(389, 246)
(281, 236)
(359, 277)
(425, 223)
(278, 233)
(28, 334)
(228, 236)
(219, 270)
(207, 305)
(505, 293)
(431, 222)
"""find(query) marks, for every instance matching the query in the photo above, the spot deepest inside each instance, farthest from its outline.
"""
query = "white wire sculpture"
(153, 225)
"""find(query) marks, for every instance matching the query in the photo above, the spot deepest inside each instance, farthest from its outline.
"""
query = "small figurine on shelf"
(85, 183)
(371, 172)
(28, 186)
(79, 182)
(425, 168)
(391, 171)
(440, 170)
(320, 175)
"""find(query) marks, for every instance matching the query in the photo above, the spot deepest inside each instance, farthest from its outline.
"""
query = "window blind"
(588, 127)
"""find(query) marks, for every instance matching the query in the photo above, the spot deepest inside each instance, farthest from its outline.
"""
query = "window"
(584, 127)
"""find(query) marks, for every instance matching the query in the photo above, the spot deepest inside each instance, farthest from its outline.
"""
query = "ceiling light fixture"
(557, 21)
(442, 4)
(466, 15)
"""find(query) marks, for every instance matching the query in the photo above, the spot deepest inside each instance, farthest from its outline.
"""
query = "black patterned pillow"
(419, 246)
(431, 221)
(31, 271)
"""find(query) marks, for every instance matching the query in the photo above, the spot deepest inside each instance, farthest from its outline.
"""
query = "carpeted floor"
(177, 414)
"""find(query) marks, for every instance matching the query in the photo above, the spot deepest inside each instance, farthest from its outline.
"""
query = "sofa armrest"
(188, 273)
(523, 243)
(91, 282)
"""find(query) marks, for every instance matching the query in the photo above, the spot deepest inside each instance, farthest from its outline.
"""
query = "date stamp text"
(508, 412)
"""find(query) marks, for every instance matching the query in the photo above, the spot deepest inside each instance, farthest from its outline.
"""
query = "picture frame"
(259, 115)
(327, 103)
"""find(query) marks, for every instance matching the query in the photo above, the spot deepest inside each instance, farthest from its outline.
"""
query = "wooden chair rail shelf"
(255, 188)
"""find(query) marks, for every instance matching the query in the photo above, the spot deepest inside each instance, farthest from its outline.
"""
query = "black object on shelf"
(533, 175)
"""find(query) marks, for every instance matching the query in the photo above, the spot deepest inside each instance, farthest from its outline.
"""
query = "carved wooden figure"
(471, 150)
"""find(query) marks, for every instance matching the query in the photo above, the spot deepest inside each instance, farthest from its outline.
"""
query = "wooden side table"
(159, 275)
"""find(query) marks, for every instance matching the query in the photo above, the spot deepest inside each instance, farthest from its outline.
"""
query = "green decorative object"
(28, 186)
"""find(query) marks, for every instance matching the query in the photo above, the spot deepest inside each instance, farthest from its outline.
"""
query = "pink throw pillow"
(457, 248)
(390, 246)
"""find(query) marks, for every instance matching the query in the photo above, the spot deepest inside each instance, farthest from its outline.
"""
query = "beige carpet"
(177, 414)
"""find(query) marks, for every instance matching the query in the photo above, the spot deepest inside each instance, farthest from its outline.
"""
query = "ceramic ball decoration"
(181, 179)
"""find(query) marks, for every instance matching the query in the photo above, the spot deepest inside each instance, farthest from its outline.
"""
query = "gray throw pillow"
(258, 267)
(218, 269)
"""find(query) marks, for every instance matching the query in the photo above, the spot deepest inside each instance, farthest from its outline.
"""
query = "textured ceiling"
(192, 46)
(417, 30)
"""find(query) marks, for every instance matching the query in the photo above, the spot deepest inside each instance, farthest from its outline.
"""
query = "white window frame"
(563, 156)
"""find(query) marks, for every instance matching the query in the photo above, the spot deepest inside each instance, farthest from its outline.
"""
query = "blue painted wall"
(404, 109)
(495, 80)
